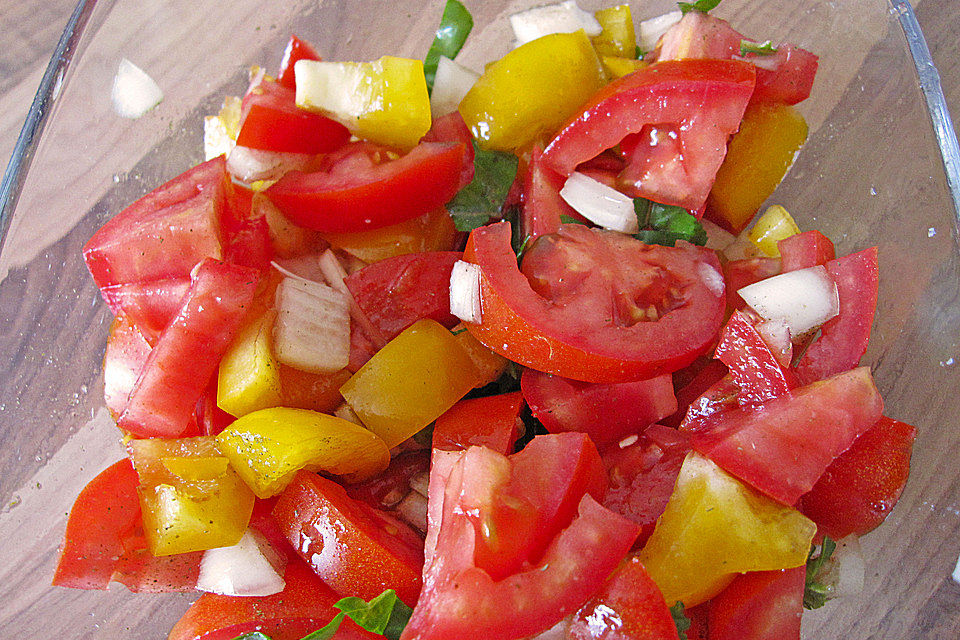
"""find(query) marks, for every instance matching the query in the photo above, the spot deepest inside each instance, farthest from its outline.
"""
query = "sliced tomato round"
(596, 306)
(271, 120)
(629, 606)
(606, 412)
(356, 549)
(105, 541)
(687, 108)
(858, 490)
(759, 605)
(304, 605)
(362, 188)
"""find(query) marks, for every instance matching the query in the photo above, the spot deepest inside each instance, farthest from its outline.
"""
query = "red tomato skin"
(524, 327)
(491, 421)
(452, 128)
(711, 95)
(305, 605)
(150, 305)
(104, 541)
(752, 365)
(629, 606)
(542, 204)
(806, 249)
(784, 445)
(295, 50)
(396, 292)
(245, 231)
(166, 394)
(740, 273)
(759, 605)
(859, 488)
(127, 351)
(723, 395)
(642, 476)
(790, 82)
(468, 603)
(354, 548)
(421, 181)
(165, 233)
(271, 120)
(606, 412)
(843, 339)
(688, 392)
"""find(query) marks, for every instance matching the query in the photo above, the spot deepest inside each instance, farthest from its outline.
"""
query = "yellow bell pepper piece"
(269, 446)
(411, 381)
(490, 364)
(532, 91)
(619, 67)
(758, 157)
(190, 497)
(714, 527)
(618, 37)
(774, 225)
(384, 101)
(249, 376)
(433, 231)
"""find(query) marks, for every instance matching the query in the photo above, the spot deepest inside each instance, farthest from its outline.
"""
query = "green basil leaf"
(455, 25)
(815, 592)
(374, 615)
(680, 619)
(252, 635)
(328, 631)
(565, 219)
(665, 224)
(476, 203)
(761, 48)
(702, 6)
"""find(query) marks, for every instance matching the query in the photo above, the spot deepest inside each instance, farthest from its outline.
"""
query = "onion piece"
(718, 238)
(312, 329)
(451, 82)
(252, 567)
(134, 92)
(563, 17)
(248, 165)
(600, 204)
(804, 299)
(413, 510)
(650, 31)
(776, 334)
(465, 292)
(335, 275)
(849, 567)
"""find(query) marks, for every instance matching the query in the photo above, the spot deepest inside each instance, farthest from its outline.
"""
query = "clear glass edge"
(932, 90)
(40, 109)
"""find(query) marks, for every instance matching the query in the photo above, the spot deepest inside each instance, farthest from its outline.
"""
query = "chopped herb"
(703, 6)
(565, 219)
(816, 593)
(664, 224)
(518, 240)
(638, 53)
(385, 615)
(455, 26)
(760, 48)
(680, 619)
(482, 199)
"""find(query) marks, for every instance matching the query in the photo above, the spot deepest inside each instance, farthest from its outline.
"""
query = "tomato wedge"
(759, 605)
(751, 363)
(271, 120)
(356, 192)
(622, 310)
(695, 104)
(104, 541)
(806, 249)
(784, 445)
(305, 605)
(491, 421)
(356, 549)
(295, 50)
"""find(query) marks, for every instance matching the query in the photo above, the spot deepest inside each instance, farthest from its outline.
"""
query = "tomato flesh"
(628, 310)
(759, 605)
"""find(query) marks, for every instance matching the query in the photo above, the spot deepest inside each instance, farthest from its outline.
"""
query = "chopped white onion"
(134, 92)
(248, 165)
(768, 62)
(306, 267)
(312, 329)
(220, 131)
(804, 299)
(252, 567)
(563, 17)
(650, 31)
(450, 84)
(776, 334)
(413, 509)
(465, 292)
(850, 568)
(712, 278)
(600, 204)
(718, 238)
(421, 483)
(336, 275)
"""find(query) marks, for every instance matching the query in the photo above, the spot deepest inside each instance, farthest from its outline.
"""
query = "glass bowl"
(871, 173)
